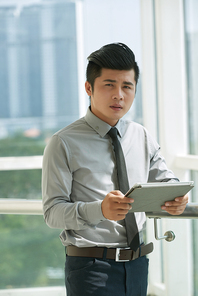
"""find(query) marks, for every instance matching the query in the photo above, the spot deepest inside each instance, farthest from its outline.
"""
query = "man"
(81, 184)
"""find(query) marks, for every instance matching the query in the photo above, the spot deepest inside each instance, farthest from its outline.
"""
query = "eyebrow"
(114, 81)
(128, 83)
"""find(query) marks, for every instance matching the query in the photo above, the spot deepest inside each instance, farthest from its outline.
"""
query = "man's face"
(113, 95)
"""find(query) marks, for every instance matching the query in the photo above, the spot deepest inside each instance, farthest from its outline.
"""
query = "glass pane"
(38, 77)
(21, 183)
(121, 22)
(39, 83)
(38, 69)
(191, 27)
(31, 253)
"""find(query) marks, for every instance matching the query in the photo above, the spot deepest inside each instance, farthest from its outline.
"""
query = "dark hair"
(116, 56)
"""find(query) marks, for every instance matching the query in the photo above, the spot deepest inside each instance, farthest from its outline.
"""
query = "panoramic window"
(38, 78)
(43, 45)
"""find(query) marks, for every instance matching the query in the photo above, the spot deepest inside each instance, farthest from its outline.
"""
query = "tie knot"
(113, 132)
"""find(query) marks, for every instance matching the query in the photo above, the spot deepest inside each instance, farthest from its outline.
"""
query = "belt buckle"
(117, 255)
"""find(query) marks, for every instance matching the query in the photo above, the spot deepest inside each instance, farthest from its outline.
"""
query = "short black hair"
(116, 56)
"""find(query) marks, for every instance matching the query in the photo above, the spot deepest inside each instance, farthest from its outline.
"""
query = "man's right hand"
(115, 205)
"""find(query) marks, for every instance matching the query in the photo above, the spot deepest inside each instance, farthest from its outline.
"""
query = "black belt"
(117, 254)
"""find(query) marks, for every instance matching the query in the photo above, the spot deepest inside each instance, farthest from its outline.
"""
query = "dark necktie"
(130, 222)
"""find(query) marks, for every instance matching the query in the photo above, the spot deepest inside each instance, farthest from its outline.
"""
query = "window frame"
(164, 82)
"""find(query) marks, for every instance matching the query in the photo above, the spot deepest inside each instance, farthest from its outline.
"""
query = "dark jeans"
(98, 277)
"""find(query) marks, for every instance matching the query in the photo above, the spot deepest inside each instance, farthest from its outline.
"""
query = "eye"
(108, 84)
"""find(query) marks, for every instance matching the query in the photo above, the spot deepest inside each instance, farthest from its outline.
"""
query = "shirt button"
(97, 127)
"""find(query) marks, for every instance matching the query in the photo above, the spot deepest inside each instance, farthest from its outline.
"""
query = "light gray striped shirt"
(79, 170)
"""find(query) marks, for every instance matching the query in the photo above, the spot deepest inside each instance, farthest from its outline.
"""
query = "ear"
(88, 88)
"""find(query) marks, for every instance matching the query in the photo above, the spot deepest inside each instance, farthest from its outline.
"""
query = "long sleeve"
(158, 171)
(59, 210)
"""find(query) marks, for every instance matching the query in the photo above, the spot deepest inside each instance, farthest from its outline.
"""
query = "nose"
(118, 94)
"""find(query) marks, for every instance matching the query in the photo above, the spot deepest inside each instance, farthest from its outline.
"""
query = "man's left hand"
(177, 206)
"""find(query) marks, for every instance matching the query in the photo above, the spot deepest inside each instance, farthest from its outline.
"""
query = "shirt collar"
(99, 125)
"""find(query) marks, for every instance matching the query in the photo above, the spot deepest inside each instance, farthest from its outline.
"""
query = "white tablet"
(150, 197)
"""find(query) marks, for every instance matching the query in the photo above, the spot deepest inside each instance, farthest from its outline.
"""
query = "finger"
(124, 199)
(182, 198)
(122, 211)
(174, 210)
(174, 204)
(123, 206)
(119, 215)
(120, 197)
(117, 192)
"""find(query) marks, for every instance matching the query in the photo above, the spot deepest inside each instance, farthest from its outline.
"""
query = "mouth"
(116, 107)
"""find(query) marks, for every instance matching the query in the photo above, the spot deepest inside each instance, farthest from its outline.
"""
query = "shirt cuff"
(91, 212)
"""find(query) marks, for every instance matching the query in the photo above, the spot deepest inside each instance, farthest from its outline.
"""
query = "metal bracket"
(169, 236)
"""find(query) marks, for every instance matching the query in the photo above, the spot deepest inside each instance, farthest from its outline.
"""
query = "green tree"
(30, 253)
(21, 183)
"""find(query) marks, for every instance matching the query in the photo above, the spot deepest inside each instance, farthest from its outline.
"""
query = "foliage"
(30, 253)
(20, 184)
(28, 248)
(23, 183)
(19, 145)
